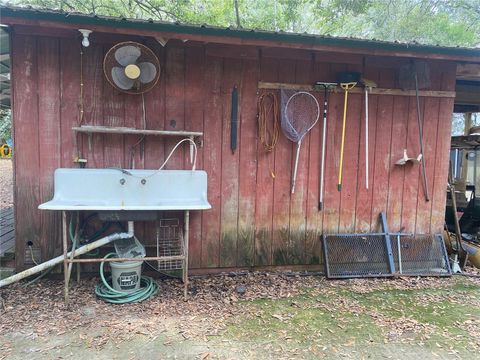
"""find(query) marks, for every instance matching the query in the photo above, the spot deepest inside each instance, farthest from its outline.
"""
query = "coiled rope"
(268, 108)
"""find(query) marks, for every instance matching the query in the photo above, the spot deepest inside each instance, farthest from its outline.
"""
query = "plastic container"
(126, 275)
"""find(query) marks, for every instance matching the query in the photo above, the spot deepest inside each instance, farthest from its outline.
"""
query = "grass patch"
(314, 323)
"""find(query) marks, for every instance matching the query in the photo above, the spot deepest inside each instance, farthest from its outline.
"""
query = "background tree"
(443, 22)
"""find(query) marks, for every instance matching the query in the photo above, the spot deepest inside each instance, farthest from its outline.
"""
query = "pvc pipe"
(130, 228)
(59, 259)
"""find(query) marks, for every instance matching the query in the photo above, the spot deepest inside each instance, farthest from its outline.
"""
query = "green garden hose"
(148, 288)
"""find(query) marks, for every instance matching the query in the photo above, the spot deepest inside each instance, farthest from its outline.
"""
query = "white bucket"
(126, 275)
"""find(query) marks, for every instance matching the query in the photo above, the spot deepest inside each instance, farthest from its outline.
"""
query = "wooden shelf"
(358, 90)
(91, 129)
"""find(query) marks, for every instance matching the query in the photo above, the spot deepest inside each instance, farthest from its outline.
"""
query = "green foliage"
(443, 22)
(5, 126)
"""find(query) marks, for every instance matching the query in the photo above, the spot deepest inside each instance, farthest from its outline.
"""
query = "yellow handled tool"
(346, 87)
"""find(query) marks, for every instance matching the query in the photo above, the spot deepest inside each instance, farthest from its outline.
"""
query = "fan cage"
(146, 55)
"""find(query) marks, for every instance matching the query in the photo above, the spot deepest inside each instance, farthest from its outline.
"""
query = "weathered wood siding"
(255, 221)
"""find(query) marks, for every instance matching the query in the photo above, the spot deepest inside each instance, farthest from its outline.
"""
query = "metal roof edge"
(185, 29)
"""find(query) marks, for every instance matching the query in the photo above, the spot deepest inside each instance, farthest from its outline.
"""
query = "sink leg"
(65, 249)
(185, 251)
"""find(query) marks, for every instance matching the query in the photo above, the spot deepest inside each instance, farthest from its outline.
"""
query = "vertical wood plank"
(352, 156)
(232, 72)
(397, 173)
(212, 160)
(49, 136)
(314, 216)
(363, 207)
(443, 150)
(332, 162)
(282, 183)
(248, 163)
(298, 200)
(382, 149)
(175, 101)
(155, 119)
(265, 178)
(411, 186)
(25, 123)
(94, 89)
(113, 115)
(430, 127)
(194, 116)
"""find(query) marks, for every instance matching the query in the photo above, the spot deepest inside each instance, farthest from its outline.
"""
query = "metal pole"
(324, 140)
(65, 249)
(399, 255)
(185, 250)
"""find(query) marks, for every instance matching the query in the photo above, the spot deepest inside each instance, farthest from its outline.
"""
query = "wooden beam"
(359, 90)
(127, 131)
(468, 71)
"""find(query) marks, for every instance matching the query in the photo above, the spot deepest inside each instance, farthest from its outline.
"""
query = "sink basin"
(116, 189)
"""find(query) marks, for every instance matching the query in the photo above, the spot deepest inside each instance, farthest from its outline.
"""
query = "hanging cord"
(81, 105)
(267, 109)
(126, 172)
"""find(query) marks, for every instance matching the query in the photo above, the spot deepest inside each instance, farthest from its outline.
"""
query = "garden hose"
(148, 288)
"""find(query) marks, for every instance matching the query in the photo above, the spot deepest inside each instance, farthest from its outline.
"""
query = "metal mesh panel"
(169, 243)
(421, 255)
(355, 255)
(366, 255)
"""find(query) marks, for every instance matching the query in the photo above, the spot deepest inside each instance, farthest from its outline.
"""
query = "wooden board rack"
(90, 129)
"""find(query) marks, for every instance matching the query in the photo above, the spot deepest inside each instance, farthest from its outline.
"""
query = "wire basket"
(170, 242)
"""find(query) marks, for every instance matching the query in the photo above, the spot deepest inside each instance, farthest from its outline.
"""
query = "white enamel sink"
(116, 189)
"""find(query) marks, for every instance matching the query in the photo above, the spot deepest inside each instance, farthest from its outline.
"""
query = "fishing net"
(299, 113)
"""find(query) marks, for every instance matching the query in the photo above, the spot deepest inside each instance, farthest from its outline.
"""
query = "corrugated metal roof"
(279, 36)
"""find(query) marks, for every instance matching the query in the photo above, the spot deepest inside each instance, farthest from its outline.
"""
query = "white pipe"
(130, 228)
(59, 259)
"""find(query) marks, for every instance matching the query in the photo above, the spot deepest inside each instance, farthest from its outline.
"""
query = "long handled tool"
(347, 80)
(368, 84)
(300, 113)
(417, 75)
(420, 134)
(327, 87)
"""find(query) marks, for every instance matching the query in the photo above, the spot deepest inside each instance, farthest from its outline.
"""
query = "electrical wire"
(148, 288)
(267, 109)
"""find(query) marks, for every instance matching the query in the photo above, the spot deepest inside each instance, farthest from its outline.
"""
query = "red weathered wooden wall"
(254, 220)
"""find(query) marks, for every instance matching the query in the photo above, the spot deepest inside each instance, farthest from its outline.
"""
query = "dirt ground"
(6, 183)
(248, 316)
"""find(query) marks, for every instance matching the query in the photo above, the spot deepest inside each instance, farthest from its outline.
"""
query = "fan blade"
(148, 71)
(120, 79)
(127, 55)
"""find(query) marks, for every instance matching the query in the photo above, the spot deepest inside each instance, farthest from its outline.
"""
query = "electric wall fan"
(131, 67)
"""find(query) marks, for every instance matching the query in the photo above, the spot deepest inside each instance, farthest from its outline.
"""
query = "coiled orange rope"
(268, 108)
